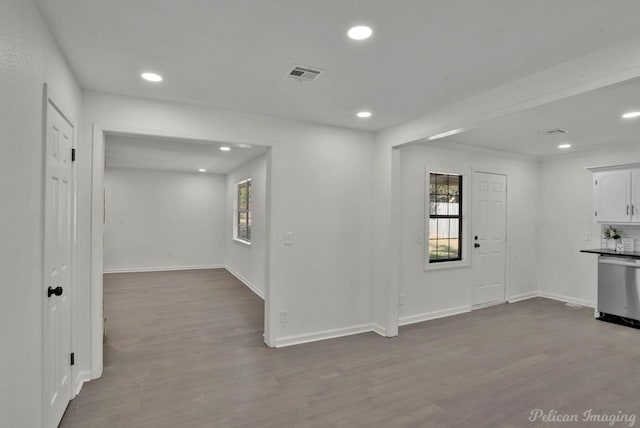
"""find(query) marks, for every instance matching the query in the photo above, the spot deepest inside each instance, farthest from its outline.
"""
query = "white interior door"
(488, 232)
(57, 259)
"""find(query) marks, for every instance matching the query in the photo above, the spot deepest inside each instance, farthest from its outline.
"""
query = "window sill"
(446, 265)
(242, 241)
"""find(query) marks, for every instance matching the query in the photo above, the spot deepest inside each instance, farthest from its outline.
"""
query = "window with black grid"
(445, 217)
(243, 213)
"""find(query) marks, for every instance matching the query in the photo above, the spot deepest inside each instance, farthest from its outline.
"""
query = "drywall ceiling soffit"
(234, 54)
(592, 120)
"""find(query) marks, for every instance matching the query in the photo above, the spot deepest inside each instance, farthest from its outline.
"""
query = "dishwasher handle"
(619, 261)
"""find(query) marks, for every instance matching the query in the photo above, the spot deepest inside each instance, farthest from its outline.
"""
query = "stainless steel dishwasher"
(619, 287)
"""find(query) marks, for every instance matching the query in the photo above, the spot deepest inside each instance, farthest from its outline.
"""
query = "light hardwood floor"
(185, 349)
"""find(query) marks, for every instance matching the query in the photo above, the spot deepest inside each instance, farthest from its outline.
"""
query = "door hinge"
(596, 213)
(73, 155)
(73, 358)
(596, 182)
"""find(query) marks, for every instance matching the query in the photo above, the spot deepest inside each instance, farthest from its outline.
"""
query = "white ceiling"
(123, 151)
(591, 119)
(233, 54)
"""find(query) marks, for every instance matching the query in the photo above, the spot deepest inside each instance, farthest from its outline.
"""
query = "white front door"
(57, 264)
(488, 231)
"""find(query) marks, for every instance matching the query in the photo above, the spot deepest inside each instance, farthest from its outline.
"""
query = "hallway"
(176, 342)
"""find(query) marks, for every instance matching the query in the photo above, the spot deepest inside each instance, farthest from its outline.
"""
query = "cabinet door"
(635, 195)
(612, 196)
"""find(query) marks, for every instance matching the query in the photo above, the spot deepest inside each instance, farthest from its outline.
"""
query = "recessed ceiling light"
(152, 77)
(631, 115)
(360, 32)
(446, 134)
(364, 114)
(225, 148)
(202, 170)
(564, 146)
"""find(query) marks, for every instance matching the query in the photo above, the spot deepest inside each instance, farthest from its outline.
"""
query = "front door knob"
(57, 291)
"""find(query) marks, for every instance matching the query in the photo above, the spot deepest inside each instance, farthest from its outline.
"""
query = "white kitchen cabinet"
(616, 194)
(635, 195)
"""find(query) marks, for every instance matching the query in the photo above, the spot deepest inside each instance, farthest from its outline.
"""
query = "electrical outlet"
(283, 317)
(401, 300)
(588, 237)
(170, 256)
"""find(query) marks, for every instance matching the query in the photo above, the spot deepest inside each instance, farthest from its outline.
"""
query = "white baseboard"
(523, 296)
(377, 328)
(81, 378)
(246, 282)
(323, 335)
(412, 319)
(567, 299)
(160, 268)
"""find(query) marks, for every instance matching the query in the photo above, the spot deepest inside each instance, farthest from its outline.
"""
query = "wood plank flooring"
(185, 349)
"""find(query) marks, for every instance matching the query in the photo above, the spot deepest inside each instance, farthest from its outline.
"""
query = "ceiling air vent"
(557, 131)
(304, 74)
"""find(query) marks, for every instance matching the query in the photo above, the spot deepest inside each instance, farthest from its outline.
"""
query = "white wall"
(606, 66)
(28, 58)
(321, 191)
(248, 262)
(565, 216)
(163, 220)
(432, 293)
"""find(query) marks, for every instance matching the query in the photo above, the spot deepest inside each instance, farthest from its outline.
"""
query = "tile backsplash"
(628, 231)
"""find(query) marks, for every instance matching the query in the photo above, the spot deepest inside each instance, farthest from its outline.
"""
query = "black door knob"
(475, 237)
(57, 291)
(476, 245)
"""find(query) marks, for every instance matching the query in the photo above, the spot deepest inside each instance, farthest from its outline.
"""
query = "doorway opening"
(162, 203)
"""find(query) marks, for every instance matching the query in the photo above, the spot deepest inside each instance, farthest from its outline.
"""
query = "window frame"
(237, 211)
(465, 201)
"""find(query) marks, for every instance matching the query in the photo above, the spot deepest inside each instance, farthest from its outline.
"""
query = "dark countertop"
(608, 252)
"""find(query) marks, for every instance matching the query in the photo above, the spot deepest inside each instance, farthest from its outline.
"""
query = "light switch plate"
(288, 238)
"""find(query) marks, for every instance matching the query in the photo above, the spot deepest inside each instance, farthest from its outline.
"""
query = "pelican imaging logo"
(588, 416)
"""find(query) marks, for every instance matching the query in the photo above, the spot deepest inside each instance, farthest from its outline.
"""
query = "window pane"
(248, 238)
(454, 228)
(454, 185)
(432, 183)
(443, 228)
(242, 197)
(248, 195)
(442, 187)
(454, 205)
(432, 204)
(242, 232)
(242, 218)
(433, 228)
(454, 248)
(442, 207)
(433, 245)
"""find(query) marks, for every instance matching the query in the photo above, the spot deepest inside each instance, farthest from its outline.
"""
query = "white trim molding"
(324, 335)
(523, 296)
(81, 378)
(567, 299)
(246, 282)
(161, 268)
(376, 328)
(412, 319)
